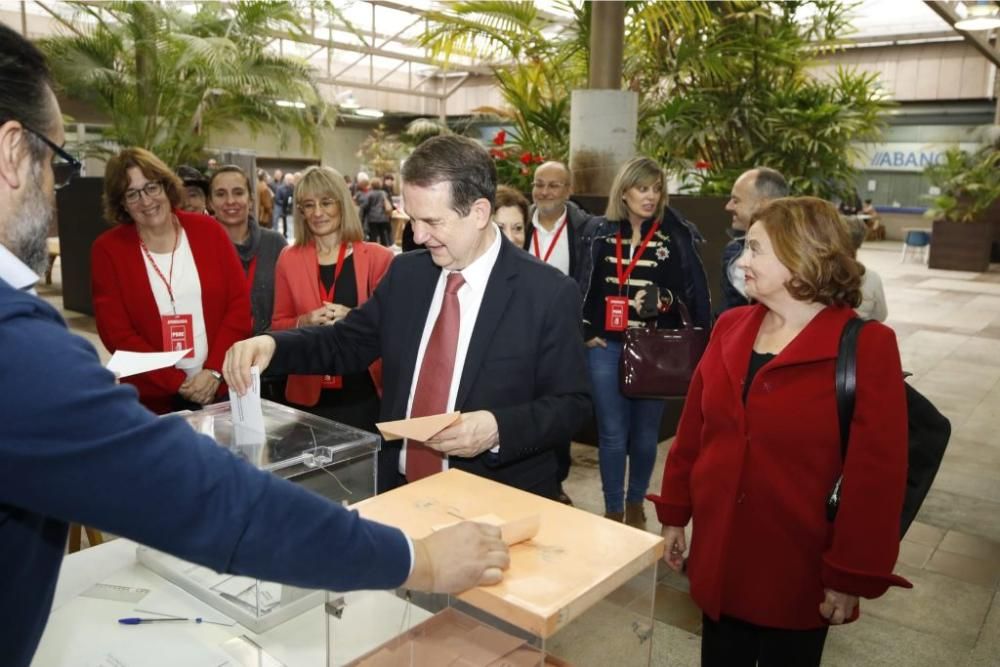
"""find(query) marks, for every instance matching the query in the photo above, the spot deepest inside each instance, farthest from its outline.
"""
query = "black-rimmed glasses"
(63, 172)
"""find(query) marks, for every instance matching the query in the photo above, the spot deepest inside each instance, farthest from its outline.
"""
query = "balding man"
(556, 223)
(752, 189)
(553, 235)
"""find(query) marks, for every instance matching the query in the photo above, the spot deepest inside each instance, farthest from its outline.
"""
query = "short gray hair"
(770, 184)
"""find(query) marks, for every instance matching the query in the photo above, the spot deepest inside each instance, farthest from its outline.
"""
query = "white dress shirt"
(187, 295)
(560, 254)
(16, 273)
(470, 298)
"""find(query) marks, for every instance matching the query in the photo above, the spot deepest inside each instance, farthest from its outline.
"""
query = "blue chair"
(916, 241)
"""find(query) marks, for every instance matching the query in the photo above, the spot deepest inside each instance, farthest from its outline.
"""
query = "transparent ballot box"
(579, 592)
(332, 459)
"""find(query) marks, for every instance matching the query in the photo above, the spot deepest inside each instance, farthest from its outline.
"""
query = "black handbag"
(929, 431)
(659, 363)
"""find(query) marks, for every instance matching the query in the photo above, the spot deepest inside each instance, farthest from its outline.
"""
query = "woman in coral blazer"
(159, 261)
(758, 451)
(328, 271)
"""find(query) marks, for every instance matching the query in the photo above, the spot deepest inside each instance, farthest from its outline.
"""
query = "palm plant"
(721, 84)
(166, 78)
(968, 184)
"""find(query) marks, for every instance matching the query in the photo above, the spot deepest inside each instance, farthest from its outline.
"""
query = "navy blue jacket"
(76, 447)
(696, 295)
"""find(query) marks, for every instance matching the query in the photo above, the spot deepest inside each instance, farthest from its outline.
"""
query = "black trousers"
(735, 643)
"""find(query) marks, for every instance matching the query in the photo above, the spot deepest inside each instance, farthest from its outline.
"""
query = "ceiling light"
(293, 105)
(980, 16)
(369, 113)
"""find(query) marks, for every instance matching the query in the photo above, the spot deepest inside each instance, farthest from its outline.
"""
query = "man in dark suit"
(553, 233)
(471, 323)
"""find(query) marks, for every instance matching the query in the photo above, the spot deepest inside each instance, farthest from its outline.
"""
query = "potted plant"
(965, 211)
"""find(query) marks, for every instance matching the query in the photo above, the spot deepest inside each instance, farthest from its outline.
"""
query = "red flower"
(500, 139)
(702, 164)
(498, 153)
(538, 159)
(525, 158)
(525, 171)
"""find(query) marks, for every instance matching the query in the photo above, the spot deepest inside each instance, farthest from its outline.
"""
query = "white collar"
(15, 272)
(477, 274)
(559, 221)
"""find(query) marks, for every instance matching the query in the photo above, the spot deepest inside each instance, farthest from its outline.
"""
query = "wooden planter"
(959, 246)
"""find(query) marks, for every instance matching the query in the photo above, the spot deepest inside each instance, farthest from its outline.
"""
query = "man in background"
(752, 189)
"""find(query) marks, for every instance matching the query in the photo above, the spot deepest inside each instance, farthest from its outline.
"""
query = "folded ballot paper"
(248, 412)
(124, 364)
(417, 428)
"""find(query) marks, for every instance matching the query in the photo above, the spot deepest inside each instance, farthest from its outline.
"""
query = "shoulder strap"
(847, 378)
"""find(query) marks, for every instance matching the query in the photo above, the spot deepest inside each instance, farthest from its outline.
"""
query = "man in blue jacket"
(76, 447)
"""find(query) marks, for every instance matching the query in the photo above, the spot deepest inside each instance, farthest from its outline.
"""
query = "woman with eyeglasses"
(165, 280)
(329, 270)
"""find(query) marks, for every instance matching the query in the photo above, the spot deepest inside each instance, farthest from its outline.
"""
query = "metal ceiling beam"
(349, 83)
(976, 39)
(369, 51)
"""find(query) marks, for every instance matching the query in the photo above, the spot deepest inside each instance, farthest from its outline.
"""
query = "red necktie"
(434, 381)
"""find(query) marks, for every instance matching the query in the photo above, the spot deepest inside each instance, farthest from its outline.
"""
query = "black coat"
(525, 362)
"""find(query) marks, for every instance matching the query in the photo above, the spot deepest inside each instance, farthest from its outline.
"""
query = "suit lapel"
(498, 292)
(416, 296)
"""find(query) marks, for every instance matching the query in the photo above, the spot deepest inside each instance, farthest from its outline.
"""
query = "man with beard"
(69, 451)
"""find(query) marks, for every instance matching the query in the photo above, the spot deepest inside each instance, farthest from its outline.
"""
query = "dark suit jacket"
(581, 225)
(525, 362)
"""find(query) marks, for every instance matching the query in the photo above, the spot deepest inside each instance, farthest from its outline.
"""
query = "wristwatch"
(216, 374)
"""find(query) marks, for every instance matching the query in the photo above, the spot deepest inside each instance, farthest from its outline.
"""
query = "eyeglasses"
(328, 204)
(151, 189)
(64, 171)
(542, 185)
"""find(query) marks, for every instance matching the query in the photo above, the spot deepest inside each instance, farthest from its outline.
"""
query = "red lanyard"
(170, 279)
(555, 240)
(623, 275)
(336, 274)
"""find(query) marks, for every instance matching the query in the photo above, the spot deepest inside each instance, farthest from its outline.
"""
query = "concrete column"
(602, 131)
(603, 119)
(607, 37)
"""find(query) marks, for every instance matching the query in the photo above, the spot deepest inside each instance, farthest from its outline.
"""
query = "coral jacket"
(127, 315)
(755, 478)
(296, 292)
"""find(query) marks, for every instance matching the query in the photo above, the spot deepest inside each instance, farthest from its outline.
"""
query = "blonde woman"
(328, 271)
(641, 259)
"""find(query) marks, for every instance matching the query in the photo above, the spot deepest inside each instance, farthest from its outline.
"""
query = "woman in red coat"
(758, 451)
(327, 272)
(163, 279)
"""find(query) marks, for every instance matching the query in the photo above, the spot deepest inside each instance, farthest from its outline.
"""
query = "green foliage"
(167, 78)
(969, 183)
(515, 165)
(381, 152)
(721, 84)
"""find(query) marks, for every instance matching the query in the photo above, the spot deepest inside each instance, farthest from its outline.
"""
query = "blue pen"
(135, 620)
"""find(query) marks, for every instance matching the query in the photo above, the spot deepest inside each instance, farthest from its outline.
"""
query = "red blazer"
(296, 292)
(126, 312)
(755, 479)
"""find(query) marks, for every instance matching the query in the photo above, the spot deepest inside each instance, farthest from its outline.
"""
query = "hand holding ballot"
(459, 557)
(256, 351)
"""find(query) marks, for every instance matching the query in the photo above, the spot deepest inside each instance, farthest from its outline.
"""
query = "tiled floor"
(948, 327)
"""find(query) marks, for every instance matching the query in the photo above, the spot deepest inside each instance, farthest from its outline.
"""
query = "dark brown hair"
(116, 182)
(812, 241)
(508, 196)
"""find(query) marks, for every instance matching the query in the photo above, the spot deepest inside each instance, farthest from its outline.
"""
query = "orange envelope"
(512, 532)
(417, 428)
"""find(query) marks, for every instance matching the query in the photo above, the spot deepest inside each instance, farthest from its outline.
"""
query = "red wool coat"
(755, 478)
(296, 292)
(127, 315)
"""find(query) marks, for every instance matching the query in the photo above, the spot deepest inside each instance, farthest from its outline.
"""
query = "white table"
(83, 631)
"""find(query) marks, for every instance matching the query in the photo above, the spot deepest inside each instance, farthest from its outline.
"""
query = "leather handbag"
(928, 431)
(659, 363)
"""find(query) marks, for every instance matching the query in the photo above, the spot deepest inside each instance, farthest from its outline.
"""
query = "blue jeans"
(626, 428)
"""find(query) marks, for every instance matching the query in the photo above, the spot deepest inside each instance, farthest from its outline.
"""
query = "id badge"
(616, 313)
(332, 382)
(178, 333)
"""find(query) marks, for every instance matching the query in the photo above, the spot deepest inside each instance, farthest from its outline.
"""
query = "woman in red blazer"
(758, 451)
(328, 271)
(165, 279)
